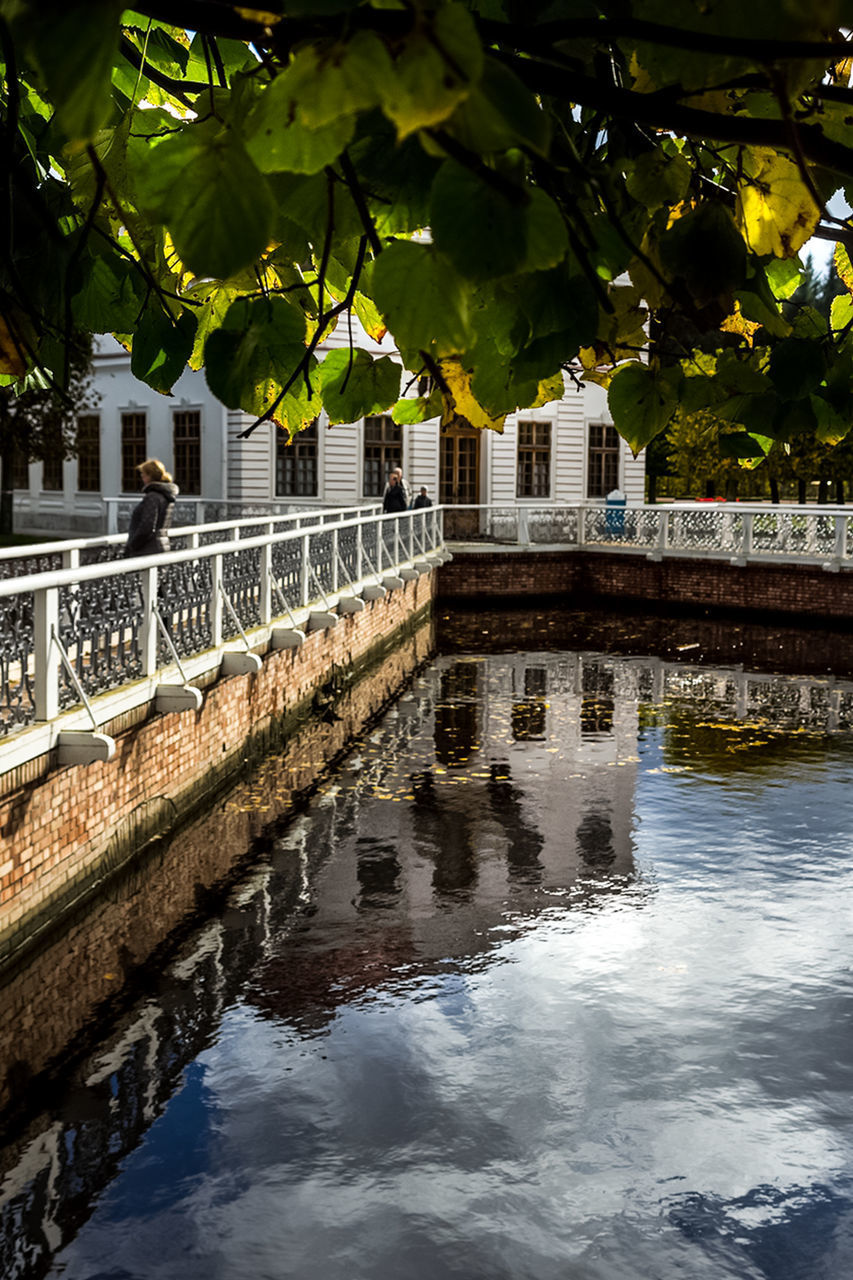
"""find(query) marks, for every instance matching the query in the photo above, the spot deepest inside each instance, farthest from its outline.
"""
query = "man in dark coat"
(422, 500)
(148, 534)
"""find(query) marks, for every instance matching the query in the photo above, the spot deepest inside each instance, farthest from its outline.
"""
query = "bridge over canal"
(132, 690)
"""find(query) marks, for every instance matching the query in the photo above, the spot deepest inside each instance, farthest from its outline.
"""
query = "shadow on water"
(498, 794)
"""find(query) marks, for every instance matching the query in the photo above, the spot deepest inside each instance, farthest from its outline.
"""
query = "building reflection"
(499, 789)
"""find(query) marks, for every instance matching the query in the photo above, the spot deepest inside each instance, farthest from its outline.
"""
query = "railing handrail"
(135, 564)
(28, 549)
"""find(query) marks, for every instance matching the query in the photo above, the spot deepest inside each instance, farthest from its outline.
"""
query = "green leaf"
(797, 367)
(355, 385)
(500, 112)
(434, 71)
(642, 403)
(254, 353)
(408, 412)
(740, 444)
(162, 346)
(422, 298)
(208, 192)
(482, 231)
(655, 178)
(306, 117)
(705, 250)
(110, 297)
(74, 43)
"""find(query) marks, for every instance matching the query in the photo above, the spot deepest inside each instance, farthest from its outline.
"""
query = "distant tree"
(39, 422)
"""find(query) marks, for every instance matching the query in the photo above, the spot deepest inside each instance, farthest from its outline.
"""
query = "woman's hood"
(168, 490)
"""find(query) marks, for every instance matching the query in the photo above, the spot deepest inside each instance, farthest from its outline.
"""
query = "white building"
(562, 454)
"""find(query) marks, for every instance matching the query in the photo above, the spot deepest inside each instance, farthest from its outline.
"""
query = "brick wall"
(55, 991)
(586, 578)
(63, 829)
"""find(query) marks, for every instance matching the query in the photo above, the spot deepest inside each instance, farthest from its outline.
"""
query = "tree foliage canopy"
(512, 190)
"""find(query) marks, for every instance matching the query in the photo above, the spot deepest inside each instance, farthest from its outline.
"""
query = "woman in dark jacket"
(395, 498)
(148, 533)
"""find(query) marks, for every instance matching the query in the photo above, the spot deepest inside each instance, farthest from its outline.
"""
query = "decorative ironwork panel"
(502, 525)
(287, 572)
(389, 552)
(558, 524)
(370, 546)
(104, 554)
(184, 599)
(17, 705)
(99, 626)
(31, 562)
(705, 529)
(321, 556)
(241, 579)
(348, 551)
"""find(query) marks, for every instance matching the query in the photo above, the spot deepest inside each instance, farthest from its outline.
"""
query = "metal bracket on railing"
(81, 747)
(285, 637)
(235, 663)
(321, 619)
(384, 584)
(352, 603)
(373, 590)
(174, 697)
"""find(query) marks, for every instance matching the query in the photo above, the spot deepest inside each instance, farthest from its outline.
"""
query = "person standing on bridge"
(148, 534)
(395, 498)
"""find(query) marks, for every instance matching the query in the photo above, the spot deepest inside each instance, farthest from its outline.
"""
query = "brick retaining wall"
(63, 829)
(587, 578)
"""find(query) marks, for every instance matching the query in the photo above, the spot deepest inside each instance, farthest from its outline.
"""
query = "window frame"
(130, 464)
(529, 455)
(597, 456)
(187, 470)
(294, 458)
(388, 453)
(85, 463)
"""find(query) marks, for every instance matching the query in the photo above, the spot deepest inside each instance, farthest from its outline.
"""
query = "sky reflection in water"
(566, 993)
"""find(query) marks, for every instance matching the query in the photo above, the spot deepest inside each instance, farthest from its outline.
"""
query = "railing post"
(46, 673)
(663, 532)
(265, 597)
(216, 606)
(380, 543)
(397, 556)
(748, 519)
(148, 629)
(112, 515)
(359, 551)
(304, 570)
(840, 537)
(523, 525)
(334, 559)
(71, 558)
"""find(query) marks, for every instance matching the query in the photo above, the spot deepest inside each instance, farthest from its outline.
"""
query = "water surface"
(552, 979)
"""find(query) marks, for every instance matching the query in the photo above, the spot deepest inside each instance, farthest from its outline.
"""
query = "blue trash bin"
(614, 516)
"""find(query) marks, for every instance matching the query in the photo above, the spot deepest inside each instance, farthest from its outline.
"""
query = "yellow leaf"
(11, 360)
(738, 323)
(458, 400)
(843, 265)
(775, 210)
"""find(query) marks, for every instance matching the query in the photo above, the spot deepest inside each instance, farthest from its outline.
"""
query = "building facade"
(562, 454)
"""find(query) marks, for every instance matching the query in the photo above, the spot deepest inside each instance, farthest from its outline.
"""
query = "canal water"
(550, 978)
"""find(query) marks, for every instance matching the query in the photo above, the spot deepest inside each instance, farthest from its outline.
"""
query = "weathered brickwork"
(583, 579)
(59, 987)
(70, 826)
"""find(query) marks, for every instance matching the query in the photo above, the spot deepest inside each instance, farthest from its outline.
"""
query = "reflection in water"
(497, 1004)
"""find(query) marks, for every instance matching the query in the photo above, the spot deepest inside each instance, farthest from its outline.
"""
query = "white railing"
(733, 531)
(68, 553)
(69, 635)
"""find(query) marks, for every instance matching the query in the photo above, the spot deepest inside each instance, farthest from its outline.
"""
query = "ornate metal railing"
(71, 633)
(724, 530)
(69, 553)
